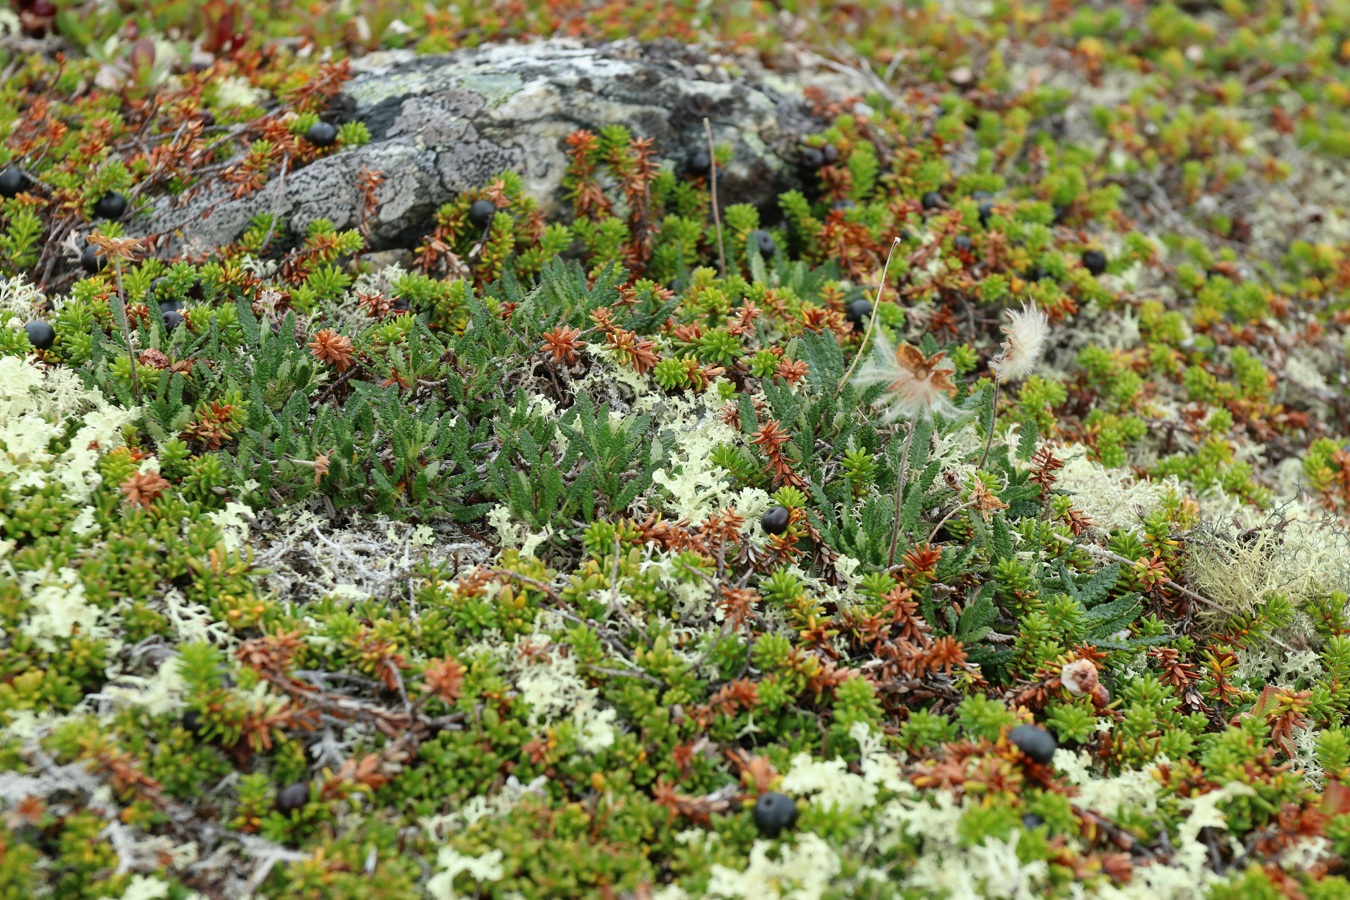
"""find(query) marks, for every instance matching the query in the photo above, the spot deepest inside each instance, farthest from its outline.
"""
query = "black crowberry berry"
(40, 334)
(1094, 261)
(292, 797)
(963, 244)
(699, 162)
(322, 134)
(1037, 743)
(111, 206)
(762, 241)
(943, 535)
(11, 181)
(192, 722)
(812, 158)
(773, 813)
(985, 210)
(1032, 821)
(857, 310)
(775, 520)
(92, 260)
(1034, 273)
(931, 200)
(831, 154)
(172, 319)
(481, 213)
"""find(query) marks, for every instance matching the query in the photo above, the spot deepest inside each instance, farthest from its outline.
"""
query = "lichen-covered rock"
(444, 124)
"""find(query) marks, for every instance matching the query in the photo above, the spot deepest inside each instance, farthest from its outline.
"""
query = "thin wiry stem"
(871, 320)
(900, 478)
(717, 218)
(993, 420)
(945, 519)
(125, 325)
(276, 207)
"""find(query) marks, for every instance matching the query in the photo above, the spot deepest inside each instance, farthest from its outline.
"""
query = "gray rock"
(444, 124)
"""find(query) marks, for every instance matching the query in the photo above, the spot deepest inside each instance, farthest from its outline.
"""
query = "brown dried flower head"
(916, 385)
(116, 248)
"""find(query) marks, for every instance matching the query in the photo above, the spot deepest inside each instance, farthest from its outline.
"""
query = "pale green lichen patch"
(494, 87)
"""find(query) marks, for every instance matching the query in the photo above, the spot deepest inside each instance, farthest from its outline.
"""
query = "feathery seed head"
(1027, 332)
(915, 385)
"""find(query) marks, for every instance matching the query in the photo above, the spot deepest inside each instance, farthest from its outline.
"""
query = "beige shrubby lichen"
(451, 863)
(145, 887)
(58, 607)
(550, 685)
(946, 868)
(233, 522)
(696, 486)
(604, 381)
(1134, 789)
(804, 870)
(513, 534)
(829, 783)
(41, 405)
(157, 694)
(1113, 498)
(482, 806)
(237, 92)
(1297, 556)
(19, 298)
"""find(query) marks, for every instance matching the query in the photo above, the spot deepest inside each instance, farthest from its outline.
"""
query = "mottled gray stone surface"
(447, 123)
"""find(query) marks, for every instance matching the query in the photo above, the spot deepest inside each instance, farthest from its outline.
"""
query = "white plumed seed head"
(1027, 331)
(916, 385)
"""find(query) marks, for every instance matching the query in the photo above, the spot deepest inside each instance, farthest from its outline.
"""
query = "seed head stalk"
(117, 249)
(917, 387)
(717, 218)
(1027, 331)
(121, 308)
(901, 477)
(993, 420)
(871, 320)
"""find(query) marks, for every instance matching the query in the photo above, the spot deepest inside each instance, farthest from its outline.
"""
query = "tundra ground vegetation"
(578, 555)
